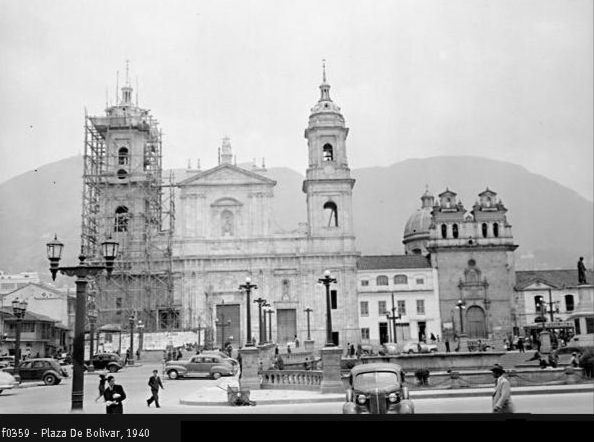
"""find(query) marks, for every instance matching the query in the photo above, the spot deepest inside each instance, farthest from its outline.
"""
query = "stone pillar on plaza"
(463, 342)
(332, 381)
(250, 362)
(266, 355)
(545, 342)
(309, 345)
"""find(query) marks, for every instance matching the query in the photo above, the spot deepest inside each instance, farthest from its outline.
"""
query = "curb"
(458, 393)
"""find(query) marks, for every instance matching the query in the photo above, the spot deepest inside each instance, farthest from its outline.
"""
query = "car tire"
(112, 369)
(410, 352)
(50, 379)
(216, 375)
(173, 374)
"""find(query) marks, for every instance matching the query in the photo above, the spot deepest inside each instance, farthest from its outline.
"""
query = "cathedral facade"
(224, 235)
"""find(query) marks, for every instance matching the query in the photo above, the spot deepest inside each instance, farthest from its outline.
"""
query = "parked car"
(219, 353)
(202, 365)
(6, 361)
(377, 389)
(419, 347)
(7, 381)
(39, 369)
(389, 348)
(107, 361)
(367, 350)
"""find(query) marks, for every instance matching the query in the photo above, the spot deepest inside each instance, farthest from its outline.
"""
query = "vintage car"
(7, 381)
(377, 389)
(39, 369)
(202, 365)
(419, 347)
(107, 361)
(389, 348)
(6, 361)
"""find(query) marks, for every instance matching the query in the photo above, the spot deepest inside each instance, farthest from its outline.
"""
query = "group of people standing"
(113, 394)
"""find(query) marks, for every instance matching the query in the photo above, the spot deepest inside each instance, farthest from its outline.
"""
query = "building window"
(455, 230)
(227, 226)
(538, 300)
(381, 307)
(364, 283)
(168, 319)
(485, 229)
(121, 219)
(589, 325)
(328, 152)
(402, 307)
(122, 174)
(400, 279)
(331, 212)
(123, 156)
(420, 281)
(495, 230)
(382, 280)
(444, 231)
(364, 308)
(365, 333)
(334, 299)
(569, 306)
(578, 330)
(420, 306)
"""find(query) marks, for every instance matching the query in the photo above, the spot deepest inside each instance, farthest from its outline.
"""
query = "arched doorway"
(475, 320)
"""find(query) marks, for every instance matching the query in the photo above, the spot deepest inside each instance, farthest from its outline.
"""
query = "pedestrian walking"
(114, 396)
(521, 345)
(276, 350)
(127, 357)
(296, 342)
(447, 345)
(433, 338)
(352, 354)
(239, 361)
(155, 383)
(102, 382)
(348, 350)
(138, 354)
(288, 349)
(502, 401)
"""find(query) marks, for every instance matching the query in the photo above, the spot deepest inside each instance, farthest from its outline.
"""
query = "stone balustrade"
(291, 379)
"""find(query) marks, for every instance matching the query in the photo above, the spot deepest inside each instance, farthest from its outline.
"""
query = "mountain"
(552, 224)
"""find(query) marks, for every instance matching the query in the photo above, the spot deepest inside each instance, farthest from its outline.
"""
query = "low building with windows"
(407, 281)
(541, 294)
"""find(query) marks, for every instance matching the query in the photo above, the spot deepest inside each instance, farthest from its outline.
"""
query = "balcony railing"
(291, 379)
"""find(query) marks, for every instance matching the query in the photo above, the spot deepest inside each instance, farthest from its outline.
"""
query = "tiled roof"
(556, 278)
(29, 316)
(393, 262)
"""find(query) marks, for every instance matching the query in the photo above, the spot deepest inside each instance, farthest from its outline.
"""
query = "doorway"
(383, 332)
(422, 325)
(228, 326)
(286, 325)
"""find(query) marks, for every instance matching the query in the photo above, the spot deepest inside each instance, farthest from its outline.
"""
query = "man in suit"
(114, 396)
(154, 382)
(502, 402)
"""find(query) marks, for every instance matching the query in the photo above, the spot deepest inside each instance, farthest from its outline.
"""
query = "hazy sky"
(503, 79)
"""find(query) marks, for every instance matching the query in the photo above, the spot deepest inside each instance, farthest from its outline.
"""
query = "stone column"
(463, 341)
(332, 382)
(250, 364)
(309, 345)
(545, 342)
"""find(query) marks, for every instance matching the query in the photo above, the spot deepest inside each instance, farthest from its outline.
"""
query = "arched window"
(444, 231)
(381, 280)
(485, 229)
(328, 152)
(400, 279)
(448, 202)
(227, 226)
(122, 174)
(495, 230)
(331, 212)
(121, 219)
(286, 289)
(569, 305)
(123, 156)
(455, 230)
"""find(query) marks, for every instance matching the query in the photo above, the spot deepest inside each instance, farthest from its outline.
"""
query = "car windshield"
(376, 379)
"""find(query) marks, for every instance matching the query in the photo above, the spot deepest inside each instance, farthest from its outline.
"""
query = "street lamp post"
(92, 315)
(308, 310)
(461, 305)
(265, 306)
(82, 271)
(260, 301)
(270, 312)
(140, 327)
(222, 323)
(389, 318)
(248, 287)
(18, 309)
(131, 358)
(327, 280)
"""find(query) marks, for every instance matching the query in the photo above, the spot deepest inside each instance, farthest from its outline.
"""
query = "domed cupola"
(416, 231)
(325, 112)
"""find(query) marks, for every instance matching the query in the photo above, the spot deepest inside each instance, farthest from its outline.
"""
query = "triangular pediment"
(226, 174)
(537, 284)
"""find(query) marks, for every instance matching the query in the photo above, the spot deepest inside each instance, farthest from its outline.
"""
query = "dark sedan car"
(39, 369)
(377, 389)
(107, 361)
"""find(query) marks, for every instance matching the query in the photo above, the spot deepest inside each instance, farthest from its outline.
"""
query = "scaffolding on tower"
(125, 197)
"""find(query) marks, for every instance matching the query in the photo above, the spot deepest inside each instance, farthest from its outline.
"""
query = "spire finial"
(127, 72)
(323, 70)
